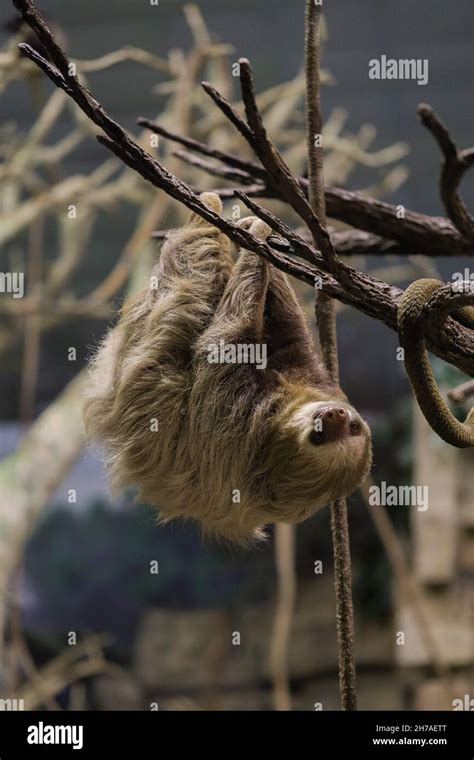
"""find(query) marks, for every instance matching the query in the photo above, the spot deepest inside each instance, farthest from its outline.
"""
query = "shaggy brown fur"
(226, 444)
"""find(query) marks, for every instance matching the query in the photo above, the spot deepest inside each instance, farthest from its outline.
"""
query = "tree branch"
(462, 392)
(375, 298)
(455, 164)
(418, 233)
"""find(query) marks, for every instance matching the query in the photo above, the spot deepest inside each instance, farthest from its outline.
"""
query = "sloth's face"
(329, 421)
(322, 452)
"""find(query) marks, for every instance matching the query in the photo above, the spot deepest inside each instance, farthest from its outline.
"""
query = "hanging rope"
(326, 321)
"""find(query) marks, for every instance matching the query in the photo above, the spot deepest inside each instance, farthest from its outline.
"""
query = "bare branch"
(462, 392)
(229, 112)
(199, 147)
(419, 233)
(282, 176)
(218, 170)
(455, 164)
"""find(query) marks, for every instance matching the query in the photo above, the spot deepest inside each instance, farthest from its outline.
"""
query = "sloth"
(231, 444)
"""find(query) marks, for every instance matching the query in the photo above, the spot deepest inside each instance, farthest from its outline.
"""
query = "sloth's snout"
(333, 423)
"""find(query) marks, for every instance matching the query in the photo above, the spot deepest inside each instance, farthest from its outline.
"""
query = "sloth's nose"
(338, 423)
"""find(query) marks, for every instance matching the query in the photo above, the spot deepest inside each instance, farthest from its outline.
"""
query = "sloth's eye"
(316, 436)
(355, 427)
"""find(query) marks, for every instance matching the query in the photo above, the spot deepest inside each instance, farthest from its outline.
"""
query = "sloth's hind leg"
(238, 322)
(226, 385)
(287, 333)
(240, 313)
(189, 280)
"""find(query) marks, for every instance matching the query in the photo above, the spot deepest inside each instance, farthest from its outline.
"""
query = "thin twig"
(455, 164)
(283, 178)
(32, 326)
(199, 147)
(462, 392)
(229, 111)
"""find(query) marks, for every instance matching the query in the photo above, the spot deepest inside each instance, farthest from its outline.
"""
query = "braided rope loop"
(415, 307)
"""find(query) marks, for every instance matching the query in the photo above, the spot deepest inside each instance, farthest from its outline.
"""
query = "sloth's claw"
(260, 229)
(247, 222)
(255, 226)
(213, 202)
